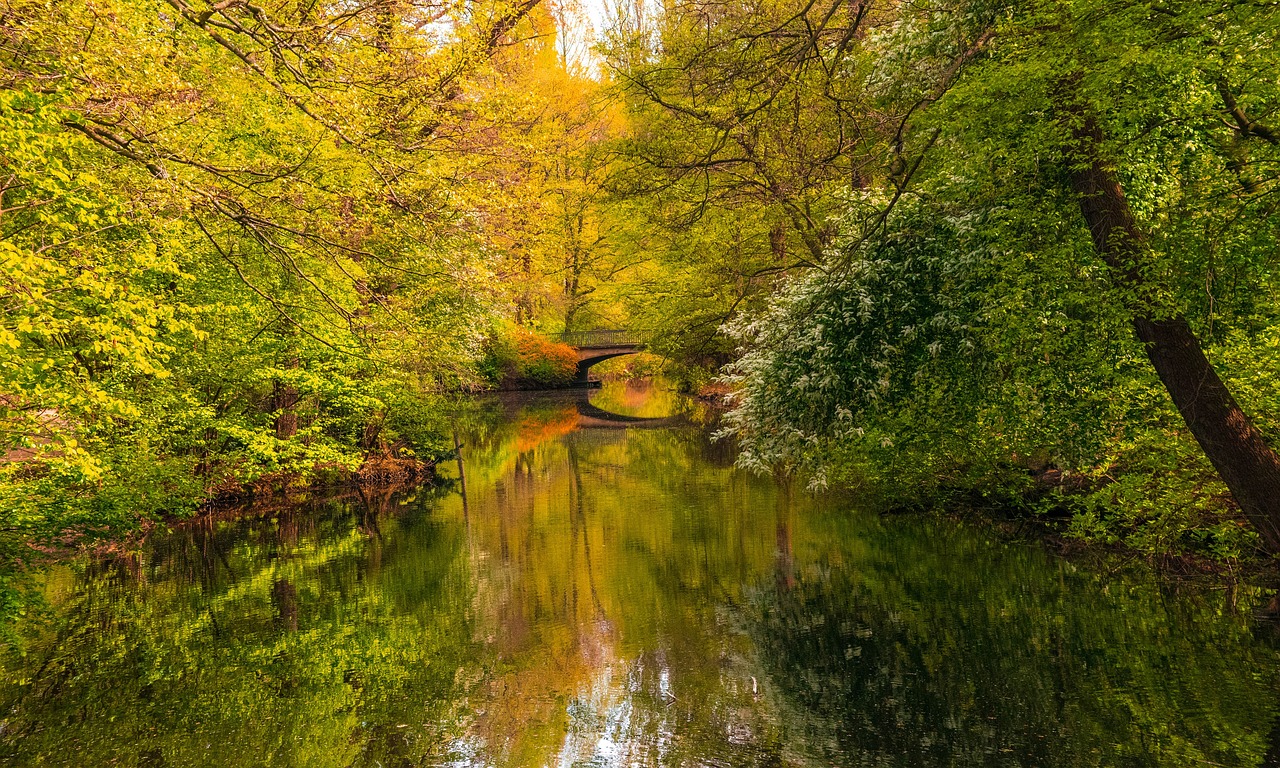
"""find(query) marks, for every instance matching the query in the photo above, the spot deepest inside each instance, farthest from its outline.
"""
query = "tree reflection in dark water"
(908, 657)
(623, 597)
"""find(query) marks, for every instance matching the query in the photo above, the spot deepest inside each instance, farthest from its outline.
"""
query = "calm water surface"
(603, 592)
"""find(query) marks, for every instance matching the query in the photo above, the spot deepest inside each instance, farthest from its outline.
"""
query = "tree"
(747, 127)
(1180, 140)
(1237, 449)
(243, 241)
(1089, 158)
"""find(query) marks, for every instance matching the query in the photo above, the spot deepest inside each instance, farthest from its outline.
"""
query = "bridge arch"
(597, 346)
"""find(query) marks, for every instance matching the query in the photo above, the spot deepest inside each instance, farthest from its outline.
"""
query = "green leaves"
(855, 368)
(232, 238)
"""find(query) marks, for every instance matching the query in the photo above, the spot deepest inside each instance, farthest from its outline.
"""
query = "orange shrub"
(543, 361)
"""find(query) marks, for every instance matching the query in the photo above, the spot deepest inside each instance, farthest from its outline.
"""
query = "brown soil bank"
(377, 471)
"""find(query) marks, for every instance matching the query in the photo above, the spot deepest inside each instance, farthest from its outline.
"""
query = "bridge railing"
(599, 339)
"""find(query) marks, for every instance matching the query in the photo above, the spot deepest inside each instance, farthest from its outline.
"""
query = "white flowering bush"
(938, 342)
(838, 346)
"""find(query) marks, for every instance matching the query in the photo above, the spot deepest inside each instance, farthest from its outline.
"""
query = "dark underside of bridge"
(589, 357)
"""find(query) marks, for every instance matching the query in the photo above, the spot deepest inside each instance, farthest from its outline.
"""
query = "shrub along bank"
(523, 359)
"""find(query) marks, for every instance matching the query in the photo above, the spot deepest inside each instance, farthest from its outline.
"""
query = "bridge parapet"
(600, 339)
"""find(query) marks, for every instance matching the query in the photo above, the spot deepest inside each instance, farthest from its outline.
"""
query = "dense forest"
(1019, 254)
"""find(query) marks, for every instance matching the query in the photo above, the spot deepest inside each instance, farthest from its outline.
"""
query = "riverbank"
(376, 470)
(1040, 501)
(1036, 506)
(1078, 515)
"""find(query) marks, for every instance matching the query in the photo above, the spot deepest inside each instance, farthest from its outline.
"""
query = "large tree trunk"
(1236, 448)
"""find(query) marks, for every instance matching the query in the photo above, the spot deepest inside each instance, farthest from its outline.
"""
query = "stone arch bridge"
(597, 346)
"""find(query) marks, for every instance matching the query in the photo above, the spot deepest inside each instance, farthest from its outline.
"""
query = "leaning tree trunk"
(1235, 447)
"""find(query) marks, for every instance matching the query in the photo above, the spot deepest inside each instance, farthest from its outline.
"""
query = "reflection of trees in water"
(579, 524)
(623, 595)
(551, 616)
(611, 557)
(300, 636)
(646, 398)
(539, 426)
(904, 658)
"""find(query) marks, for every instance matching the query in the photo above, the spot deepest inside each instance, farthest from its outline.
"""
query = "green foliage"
(227, 256)
(951, 324)
(252, 242)
(918, 347)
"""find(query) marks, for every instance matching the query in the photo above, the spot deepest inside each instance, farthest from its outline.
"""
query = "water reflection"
(640, 398)
(606, 596)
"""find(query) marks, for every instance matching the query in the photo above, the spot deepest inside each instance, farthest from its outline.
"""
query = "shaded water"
(614, 593)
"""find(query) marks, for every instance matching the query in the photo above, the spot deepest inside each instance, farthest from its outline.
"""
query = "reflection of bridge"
(582, 413)
(597, 346)
(589, 416)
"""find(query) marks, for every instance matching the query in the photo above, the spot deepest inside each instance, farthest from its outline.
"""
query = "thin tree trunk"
(1235, 447)
(284, 398)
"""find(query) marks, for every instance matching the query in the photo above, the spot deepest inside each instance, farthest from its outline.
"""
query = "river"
(611, 592)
